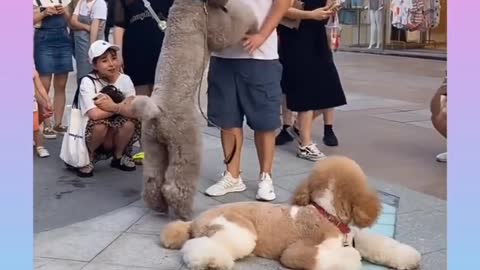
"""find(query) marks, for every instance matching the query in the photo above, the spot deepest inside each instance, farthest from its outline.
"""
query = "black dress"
(310, 79)
(142, 40)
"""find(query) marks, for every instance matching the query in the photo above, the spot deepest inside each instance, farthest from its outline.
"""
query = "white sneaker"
(310, 152)
(42, 152)
(265, 190)
(226, 185)
(442, 157)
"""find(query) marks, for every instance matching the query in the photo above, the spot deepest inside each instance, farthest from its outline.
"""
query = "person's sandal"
(86, 171)
(125, 163)
(60, 129)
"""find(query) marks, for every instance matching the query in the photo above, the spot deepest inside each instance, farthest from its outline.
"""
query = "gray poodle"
(171, 135)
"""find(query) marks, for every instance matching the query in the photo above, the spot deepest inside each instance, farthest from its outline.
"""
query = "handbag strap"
(77, 93)
(162, 24)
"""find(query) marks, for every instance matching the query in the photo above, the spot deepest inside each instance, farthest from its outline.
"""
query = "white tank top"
(269, 49)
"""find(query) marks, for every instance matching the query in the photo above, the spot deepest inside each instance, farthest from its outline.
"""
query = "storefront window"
(408, 25)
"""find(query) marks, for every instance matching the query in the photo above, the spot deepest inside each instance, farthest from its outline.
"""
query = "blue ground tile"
(388, 209)
(386, 219)
(369, 266)
(387, 230)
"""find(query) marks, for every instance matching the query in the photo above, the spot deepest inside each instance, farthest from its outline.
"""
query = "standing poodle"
(171, 136)
(312, 234)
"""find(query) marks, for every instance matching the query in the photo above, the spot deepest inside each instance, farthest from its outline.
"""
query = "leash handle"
(162, 24)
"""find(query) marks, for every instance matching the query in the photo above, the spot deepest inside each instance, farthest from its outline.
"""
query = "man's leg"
(225, 111)
(261, 96)
(232, 141)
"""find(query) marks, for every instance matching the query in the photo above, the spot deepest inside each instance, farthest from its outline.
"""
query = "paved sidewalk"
(128, 238)
(99, 223)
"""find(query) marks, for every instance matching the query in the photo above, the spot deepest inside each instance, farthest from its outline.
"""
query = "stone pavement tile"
(408, 116)
(371, 102)
(152, 223)
(56, 264)
(434, 261)
(425, 230)
(72, 243)
(424, 124)
(139, 250)
(116, 221)
(410, 200)
(290, 182)
(253, 263)
(107, 266)
(211, 142)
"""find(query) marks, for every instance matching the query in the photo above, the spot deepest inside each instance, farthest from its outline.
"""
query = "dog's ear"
(301, 196)
(366, 209)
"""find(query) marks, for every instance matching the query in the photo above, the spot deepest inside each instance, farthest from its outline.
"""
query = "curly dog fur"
(302, 237)
(171, 137)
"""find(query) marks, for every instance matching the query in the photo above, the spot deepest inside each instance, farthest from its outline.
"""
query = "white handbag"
(74, 150)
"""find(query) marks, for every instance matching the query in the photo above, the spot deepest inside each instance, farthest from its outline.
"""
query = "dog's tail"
(175, 234)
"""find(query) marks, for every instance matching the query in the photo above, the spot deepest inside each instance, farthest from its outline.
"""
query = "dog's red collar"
(334, 220)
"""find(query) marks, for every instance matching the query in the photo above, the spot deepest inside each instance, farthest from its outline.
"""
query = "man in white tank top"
(244, 81)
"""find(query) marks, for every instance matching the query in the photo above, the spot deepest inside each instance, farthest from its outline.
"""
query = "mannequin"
(376, 22)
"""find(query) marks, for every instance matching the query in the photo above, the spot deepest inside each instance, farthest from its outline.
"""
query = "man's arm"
(278, 10)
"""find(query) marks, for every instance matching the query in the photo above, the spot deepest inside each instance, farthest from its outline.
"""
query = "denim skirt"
(53, 51)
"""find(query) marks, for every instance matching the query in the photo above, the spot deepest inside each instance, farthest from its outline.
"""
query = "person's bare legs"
(305, 120)
(97, 138)
(284, 136)
(287, 115)
(122, 137)
(229, 137)
(329, 137)
(307, 149)
(59, 84)
(47, 123)
(265, 146)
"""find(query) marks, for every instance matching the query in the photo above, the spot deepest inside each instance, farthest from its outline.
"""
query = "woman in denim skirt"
(53, 54)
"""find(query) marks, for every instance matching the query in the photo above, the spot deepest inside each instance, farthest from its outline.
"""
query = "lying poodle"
(171, 136)
(311, 234)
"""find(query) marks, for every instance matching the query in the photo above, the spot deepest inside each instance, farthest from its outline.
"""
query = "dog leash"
(228, 158)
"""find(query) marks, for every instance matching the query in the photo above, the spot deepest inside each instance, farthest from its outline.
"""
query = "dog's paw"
(342, 258)
(407, 258)
(350, 257)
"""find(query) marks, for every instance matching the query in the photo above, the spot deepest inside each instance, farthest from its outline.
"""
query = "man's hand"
(105, 103)
(253, 42)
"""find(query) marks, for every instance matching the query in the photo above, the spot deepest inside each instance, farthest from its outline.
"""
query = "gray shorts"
(250, 88)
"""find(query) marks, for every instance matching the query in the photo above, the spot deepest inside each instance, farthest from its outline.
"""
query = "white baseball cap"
(98, 48)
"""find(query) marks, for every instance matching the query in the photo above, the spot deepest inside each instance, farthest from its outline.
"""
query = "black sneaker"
(283, 137)
(330, 139)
